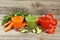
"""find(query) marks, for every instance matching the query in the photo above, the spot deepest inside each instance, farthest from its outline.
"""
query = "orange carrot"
(7, 23)
(9, 27)
(24, 24)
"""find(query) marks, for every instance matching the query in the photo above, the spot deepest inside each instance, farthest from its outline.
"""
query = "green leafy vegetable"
(6, 18)
(22, 13)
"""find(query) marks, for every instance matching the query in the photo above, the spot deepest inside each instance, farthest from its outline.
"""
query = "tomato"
(40, 19)
(51, 26)
(45, 23)
(51, 31)
(53, 22)
(49, 16)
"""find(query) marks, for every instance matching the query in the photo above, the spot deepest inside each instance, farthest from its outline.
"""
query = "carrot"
(9, 27)
(24, 24)
(7, 23)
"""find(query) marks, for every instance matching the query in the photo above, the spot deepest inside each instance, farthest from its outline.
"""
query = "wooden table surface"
(13, 35)
(53, 6)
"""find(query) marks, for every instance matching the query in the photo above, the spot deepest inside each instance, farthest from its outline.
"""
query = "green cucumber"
(38, 30)
(33, 30)
(24, 31)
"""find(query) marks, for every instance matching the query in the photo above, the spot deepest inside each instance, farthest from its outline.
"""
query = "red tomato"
(49, 16)
(44, 19)
(38, 22)
(51, 26)
(45, 22)
(53, 22)
(51, 31)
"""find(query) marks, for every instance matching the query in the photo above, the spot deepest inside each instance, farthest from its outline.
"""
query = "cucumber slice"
(38, 30)
(34, 31)
(24, 31)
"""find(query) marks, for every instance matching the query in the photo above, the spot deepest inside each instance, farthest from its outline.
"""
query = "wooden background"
(52, 6)
(34, 7)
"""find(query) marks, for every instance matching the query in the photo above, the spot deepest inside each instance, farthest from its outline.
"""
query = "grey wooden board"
(52, 6)
(13, 35)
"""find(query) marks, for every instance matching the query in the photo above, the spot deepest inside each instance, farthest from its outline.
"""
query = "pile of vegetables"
(18, 22)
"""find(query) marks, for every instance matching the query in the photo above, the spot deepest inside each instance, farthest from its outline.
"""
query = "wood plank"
(52, 7)
(20, 3)
(33, 0)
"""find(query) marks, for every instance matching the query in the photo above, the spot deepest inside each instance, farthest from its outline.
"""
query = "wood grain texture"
(52, 6)
(33, 0)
